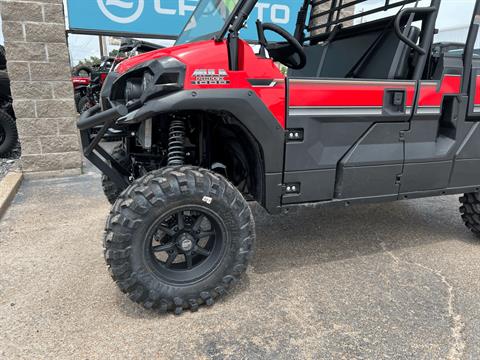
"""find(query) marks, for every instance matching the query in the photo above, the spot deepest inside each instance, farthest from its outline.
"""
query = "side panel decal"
(430, 98)
(344, 97)
(476, 99)
(366, 97)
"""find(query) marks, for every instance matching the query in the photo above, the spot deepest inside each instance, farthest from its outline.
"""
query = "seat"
(389, 57)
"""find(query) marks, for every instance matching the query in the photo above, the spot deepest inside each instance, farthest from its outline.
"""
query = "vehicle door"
(466, 165)
(441, 146)
(345, 129)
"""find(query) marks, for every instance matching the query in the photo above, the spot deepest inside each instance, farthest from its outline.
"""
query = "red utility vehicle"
(378, 105)
(80, 85)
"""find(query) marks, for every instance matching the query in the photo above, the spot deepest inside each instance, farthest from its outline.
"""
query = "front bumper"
(94, 118)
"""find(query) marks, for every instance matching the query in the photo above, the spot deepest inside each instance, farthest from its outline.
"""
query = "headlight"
(133, 89)
(149, 80)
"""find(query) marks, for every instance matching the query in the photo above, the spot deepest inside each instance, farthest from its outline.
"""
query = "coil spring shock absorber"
(176, 142)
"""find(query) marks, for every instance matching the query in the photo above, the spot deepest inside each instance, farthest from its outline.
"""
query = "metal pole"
(102, 40)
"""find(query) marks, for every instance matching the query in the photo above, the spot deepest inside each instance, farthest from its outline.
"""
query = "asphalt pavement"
(384, 281)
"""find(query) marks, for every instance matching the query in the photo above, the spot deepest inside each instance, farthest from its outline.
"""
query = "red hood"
(194, 53)
(212, 55)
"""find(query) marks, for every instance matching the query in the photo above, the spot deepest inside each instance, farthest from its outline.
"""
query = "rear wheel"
(8, 134)
(470, 211)
(178, 238)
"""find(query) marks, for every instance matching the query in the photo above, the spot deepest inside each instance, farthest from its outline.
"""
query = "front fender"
(244, 105)
(249, 110)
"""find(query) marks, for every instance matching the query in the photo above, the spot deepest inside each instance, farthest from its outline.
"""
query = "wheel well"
(229, 148)
(216, 141)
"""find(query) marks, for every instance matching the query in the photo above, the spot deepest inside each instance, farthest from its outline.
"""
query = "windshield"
(207, 20)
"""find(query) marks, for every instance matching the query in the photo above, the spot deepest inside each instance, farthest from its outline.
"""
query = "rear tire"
(164, 208)
(8, 134)
(111, 189)
(470, 211)
(86, 70)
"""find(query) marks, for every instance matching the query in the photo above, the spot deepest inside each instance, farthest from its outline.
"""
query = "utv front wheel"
(179, 238)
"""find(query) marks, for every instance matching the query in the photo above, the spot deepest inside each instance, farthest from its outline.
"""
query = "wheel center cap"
(185, 242)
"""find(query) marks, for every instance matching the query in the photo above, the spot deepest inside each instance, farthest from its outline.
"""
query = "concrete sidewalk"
(380, 281)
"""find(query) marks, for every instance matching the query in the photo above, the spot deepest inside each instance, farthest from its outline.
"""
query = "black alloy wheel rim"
(186, 244)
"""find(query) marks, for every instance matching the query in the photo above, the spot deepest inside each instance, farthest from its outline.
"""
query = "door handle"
(394, 101)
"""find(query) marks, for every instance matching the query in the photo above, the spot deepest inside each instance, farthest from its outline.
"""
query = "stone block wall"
(39, 69)
(321, 20)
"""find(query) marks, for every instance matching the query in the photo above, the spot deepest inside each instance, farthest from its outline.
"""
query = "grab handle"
(398, 31)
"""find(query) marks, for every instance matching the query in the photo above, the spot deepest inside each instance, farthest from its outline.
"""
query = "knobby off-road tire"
(77, 97)
(470, 211)
(8, 134)
(128, 239)
(87, 69)
(110, 189)
(84, 104)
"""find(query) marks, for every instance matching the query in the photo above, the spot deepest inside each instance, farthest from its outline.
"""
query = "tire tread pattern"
(470, 210)
(154, 190)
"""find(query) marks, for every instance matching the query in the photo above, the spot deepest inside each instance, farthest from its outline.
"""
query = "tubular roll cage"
(334, 19)
(337, 6)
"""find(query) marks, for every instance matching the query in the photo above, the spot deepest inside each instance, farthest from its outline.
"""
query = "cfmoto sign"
(180, 7)
(276, 13)
(162, 18)
(134, 7)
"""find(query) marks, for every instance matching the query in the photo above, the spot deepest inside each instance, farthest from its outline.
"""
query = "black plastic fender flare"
(244, 105)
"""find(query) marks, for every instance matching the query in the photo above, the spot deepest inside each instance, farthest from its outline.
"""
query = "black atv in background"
(8, 127)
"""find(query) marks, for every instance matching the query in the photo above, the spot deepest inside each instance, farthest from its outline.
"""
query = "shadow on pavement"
(314, 236)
